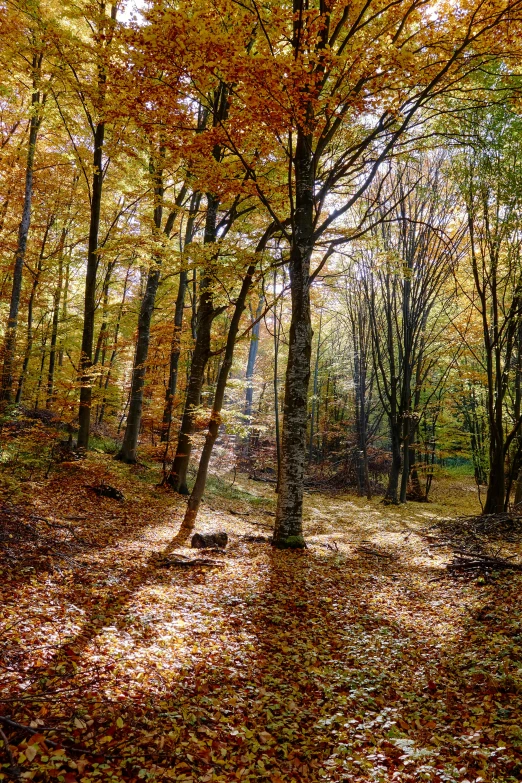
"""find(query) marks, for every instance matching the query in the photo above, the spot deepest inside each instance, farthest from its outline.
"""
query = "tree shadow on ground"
(312, 666)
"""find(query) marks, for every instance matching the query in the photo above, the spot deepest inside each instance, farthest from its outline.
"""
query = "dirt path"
(333, 664)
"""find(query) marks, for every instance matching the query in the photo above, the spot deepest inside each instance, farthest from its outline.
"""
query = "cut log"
(209, 540)
(106, 491)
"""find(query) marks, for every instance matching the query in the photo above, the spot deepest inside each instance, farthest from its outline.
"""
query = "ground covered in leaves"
(359, 659)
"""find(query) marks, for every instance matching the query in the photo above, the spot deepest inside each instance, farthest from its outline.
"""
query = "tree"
(128, 449)
(416, 245)
(34, 56)
(90, 86)
(339, 86)
(490, 175)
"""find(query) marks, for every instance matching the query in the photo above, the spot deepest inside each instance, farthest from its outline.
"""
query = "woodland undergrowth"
(358, 659)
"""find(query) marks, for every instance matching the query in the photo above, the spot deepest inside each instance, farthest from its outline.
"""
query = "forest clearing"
(358, 659)
(261, 391)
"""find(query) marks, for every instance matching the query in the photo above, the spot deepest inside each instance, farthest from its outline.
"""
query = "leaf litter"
(345, 662)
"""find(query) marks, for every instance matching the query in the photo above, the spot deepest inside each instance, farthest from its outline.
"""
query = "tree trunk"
(495, 496)
(114, 348)
(288, 532)
(23, 233)
(56, 317)
(178, 325)
(129, 446)
(251, 361)
(29, 344)
(84, 414)
(177, 478)
(392, 492)
(194, 502)
(64, 307)
(277, 332)
(42, 365)
(315, 401)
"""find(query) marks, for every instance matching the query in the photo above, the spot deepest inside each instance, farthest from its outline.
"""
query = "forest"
(261, 391)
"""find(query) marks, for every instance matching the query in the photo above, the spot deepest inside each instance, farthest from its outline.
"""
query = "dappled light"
(260, 391)
(356, 659)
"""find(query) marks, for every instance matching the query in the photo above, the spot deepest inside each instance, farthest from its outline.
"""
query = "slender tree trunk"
(178, 325)
(177, 478)
(64, 307)
(29, 344)
(86, 380)
(194, 309)
(314, 393)
(56, 318)
(101, 342)
(129, 446)
(23, 233)
(406, 372)
(277, 331)
(102, 334)
(84, 414)
(114, 348)
(251, 361)
(194, 502)
(518, 489)
(42, 365)
(288, 532)
(392, 492)
(495, 496)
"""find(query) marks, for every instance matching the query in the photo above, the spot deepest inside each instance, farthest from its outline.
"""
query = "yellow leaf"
(30, 752)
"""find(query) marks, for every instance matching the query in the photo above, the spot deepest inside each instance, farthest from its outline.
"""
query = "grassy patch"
(219, 487)
(104, 444)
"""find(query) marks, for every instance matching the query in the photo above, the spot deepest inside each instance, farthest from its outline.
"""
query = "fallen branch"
(256, 539)
(367, 550)
(73, 748)
(14, 769)
(178, 562)
(469, 562)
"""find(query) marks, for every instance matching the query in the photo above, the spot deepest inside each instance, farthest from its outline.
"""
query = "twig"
(370, 551)
(14, 768)
(73, 748)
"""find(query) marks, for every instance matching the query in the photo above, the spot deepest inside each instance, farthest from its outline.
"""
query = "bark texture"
(178, 326)
(6, 386)
(89, 310)
(196, 495)
(288, 532)
(129, 446)
(177, 478)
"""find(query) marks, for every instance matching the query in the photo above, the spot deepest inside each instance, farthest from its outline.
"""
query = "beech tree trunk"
(277, 334)
(178, 325)
(114, 348)
(177, 478)
(392, 492)
(251, 361)
(56, 318)
(89, 311)
(29, 343)
(495, 496)
(360, 367)
(288, 532)
(129, 446)
(315, 401)
(198, 489)
(6, 385)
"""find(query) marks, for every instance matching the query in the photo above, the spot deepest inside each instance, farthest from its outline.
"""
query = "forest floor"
(332, 664)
